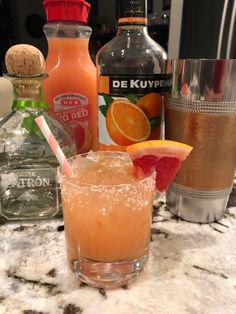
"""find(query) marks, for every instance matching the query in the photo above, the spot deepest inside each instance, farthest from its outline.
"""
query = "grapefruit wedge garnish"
(164, 156)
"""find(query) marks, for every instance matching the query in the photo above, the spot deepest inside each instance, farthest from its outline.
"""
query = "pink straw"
(42, 124)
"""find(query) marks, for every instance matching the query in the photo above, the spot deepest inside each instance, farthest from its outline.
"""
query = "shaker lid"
(67, 10)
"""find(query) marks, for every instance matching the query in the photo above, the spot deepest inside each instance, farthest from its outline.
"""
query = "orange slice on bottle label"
(151, 104)
(163, 156)
(126, 123)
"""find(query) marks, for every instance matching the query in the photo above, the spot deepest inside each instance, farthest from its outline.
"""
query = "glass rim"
(203, 59)
(70, 180)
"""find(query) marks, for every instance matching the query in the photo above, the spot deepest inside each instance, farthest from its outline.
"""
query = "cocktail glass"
(107, 215)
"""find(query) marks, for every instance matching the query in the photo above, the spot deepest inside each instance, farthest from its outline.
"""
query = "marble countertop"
(191, 269)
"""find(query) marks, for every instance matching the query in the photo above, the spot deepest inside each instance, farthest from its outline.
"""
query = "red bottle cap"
(67, 10)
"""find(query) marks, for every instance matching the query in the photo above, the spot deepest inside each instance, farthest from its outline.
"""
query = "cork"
(23, 59)
(25, 62)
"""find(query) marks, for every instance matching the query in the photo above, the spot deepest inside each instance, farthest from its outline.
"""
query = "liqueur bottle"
(71, 90)
(131, 81)
(28, 184)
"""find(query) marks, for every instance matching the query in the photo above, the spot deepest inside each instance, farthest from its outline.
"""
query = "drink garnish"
(163, 156)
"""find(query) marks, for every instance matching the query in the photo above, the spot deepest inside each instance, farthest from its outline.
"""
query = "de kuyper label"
(140, 85)
(137, 85)
(130, 108)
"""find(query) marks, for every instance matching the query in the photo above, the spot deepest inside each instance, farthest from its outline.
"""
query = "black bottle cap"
(132, 12)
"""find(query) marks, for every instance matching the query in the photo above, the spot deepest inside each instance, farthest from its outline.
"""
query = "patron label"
(21, 179)
(130, 109)
(29, 193)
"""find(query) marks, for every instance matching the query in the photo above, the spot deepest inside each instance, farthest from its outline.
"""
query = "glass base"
(107, 275)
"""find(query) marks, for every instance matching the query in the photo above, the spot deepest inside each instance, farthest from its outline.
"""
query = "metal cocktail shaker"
(200, 110)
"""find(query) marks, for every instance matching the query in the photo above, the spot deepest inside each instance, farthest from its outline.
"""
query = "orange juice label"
(71, 108)
(75, 111)
(130, 109)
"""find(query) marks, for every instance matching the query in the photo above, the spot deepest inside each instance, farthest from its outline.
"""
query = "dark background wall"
(21, 21)
(200, 29)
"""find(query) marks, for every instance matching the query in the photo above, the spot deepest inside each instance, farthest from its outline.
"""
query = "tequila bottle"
(28, 182)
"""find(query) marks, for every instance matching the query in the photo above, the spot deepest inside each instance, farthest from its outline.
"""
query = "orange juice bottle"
(70, 89)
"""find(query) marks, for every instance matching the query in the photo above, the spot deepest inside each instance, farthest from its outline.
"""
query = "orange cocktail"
(107, 214)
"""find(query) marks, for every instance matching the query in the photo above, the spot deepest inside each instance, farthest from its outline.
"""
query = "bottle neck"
(132, 12)
(27, 92)
(132, 28)
(139, 21)
(66, 39)
(67, 29)
(132, 16)
(66, 47)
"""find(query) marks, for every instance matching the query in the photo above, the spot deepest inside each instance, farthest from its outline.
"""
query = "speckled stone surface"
(191, 269)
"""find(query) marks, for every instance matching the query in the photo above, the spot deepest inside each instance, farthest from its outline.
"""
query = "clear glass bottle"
(129, 67)
(28, 183)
